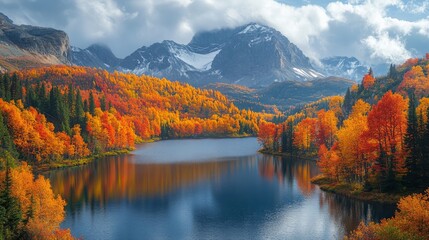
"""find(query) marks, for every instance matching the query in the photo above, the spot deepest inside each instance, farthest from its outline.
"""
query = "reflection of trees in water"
(349, 212)
(289, 170)
(118, 177)
(344, 211)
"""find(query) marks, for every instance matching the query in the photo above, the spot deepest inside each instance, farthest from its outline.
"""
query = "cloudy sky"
(374, 31)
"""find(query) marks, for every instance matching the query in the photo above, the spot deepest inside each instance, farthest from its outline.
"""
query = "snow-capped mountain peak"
(253, 55)
(347, 67)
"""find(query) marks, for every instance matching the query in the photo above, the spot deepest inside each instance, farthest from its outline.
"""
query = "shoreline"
(343, 189)
(43, 168)
(348, 190)
(67, 163)
(310, 157)
(203, 137)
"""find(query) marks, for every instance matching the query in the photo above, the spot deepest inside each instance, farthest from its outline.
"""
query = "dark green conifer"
(412, 140)
(10, 211)
(91, 104)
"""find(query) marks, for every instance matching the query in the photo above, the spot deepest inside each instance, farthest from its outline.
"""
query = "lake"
(205, 189)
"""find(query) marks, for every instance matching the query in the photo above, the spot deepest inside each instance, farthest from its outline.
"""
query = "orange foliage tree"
(368, 81)
(329, 162)
(415, 80)
(268, 136)
(411, 221)
(355, 149)
(387, 127)
(305, 134)
(32, 134)
(44, 211)
(326, 127)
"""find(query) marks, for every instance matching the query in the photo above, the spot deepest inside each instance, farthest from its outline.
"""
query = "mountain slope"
(292, 93)
(98, 56)
(27, 46)
(252, 55)
(283, 95)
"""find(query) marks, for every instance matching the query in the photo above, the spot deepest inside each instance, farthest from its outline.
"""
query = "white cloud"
(363, 28)
(416, 6)
(98, 18)
(387, 48)
(383, 36)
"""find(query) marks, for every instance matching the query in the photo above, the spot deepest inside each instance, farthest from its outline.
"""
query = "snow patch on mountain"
(200, 62)
(254, 28)
(75, 49)
(307, 73)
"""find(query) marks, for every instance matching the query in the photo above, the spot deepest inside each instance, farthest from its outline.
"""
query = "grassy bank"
(356, 191)
(289, 155)
(77, 162)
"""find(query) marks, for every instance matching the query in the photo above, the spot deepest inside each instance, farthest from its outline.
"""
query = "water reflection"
(119, 177)
(223, 197)
(288, 171)
(349, 213)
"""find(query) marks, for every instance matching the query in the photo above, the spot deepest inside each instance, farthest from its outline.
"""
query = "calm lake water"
(204, 189)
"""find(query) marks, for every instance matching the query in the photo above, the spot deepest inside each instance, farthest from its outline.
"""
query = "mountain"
(23, 46)
(96, 55)
(246, 62)
(346, 67)
(252, 55)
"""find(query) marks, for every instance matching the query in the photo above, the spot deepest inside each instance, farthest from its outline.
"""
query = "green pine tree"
(91, 104)
(16, 88)
(425, 157)
(58, 112)
(103, 103)
(6, 141)
(287, 139)
(413, 159)
(85, 105)
(79, 110)
(2, 91)
(71, 100)
(6, 87)
(42, 102)
(10, 211)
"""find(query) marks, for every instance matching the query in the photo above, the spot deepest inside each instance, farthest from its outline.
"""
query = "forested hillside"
(60, 115)
(376, 138)
(64, 112)
(372, 144)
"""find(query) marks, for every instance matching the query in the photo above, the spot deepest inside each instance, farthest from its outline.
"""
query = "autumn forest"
(373, 143)
(373, 140)
(59, 116)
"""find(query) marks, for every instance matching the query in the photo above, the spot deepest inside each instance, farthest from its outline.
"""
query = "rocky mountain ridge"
(24, 46)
